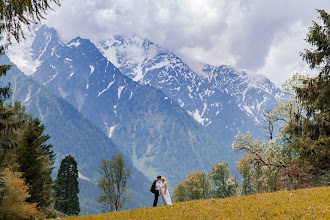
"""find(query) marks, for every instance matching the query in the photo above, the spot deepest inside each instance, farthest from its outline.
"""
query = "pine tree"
(66, 187)
(14, 14)
(35, 160)
(310, 134)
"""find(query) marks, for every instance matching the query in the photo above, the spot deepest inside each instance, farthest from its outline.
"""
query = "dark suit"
(154, 191)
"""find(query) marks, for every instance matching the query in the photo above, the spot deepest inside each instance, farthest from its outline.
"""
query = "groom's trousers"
(156, 197)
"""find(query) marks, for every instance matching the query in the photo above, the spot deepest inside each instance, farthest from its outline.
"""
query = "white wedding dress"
(166, 197)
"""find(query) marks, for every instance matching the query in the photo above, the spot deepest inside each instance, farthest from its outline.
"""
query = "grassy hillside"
(313, 203)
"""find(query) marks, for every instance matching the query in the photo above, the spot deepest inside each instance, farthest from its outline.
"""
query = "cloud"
(254, 35)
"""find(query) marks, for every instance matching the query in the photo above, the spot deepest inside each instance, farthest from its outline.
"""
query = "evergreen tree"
(14, 14)
(66, 187)
(310, 134)
(35, 160)
(113, 183)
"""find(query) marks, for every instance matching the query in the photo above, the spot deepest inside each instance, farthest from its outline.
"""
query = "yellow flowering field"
(312, 203)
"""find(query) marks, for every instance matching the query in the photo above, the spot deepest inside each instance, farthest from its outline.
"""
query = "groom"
(155, 187)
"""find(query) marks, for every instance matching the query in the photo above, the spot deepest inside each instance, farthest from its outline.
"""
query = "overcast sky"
(259, 36)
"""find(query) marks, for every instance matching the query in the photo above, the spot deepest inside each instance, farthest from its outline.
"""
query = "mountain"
(144, 123)
(72, 133)
(222, 99)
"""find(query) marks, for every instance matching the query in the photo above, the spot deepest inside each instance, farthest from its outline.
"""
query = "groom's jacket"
(153, 187)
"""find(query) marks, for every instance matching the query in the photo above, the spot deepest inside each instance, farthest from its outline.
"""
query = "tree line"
(298, 155)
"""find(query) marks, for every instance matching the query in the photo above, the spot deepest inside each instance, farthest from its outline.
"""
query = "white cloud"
(254, 35)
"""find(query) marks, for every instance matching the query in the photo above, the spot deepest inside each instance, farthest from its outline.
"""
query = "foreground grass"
(313, 203)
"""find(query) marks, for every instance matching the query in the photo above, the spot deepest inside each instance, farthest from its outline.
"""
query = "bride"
(165, 193)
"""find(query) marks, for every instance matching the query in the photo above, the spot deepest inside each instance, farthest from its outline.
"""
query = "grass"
(312, 203)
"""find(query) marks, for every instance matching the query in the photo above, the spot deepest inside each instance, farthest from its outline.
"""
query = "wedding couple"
(159, 187)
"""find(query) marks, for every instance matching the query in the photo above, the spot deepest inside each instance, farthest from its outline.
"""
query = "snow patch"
(53, 77)
(48, 39)
(120, 88)
(181, 103)
(92, 69)
(198, 117)
(111, 130)
(248, 109)
(110, 84)
(21, 55)
(74, 44)
(83, 177)
(67, 60)
(158, 65)
(71, 75)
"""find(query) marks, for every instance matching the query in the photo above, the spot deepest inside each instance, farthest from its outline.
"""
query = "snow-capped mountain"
(222, 99)
(144, 123)
(253, 93)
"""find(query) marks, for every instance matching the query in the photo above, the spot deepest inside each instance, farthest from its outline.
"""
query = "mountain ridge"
(210, 95)
(123, 109)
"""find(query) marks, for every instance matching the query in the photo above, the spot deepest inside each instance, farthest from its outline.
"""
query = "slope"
(312, 203)
(71, 133)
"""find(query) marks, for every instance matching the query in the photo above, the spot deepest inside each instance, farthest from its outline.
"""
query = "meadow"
(312, 203)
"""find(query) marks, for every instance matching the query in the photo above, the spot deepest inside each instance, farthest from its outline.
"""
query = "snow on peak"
(130, 53)
(74, 43)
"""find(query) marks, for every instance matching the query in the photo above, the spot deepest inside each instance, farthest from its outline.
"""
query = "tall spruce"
(35, 159)
(66, 187)
(310, 135)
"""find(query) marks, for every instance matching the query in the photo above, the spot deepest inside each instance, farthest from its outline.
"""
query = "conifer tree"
(66, 187)
(310, 135)
(35, 160)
